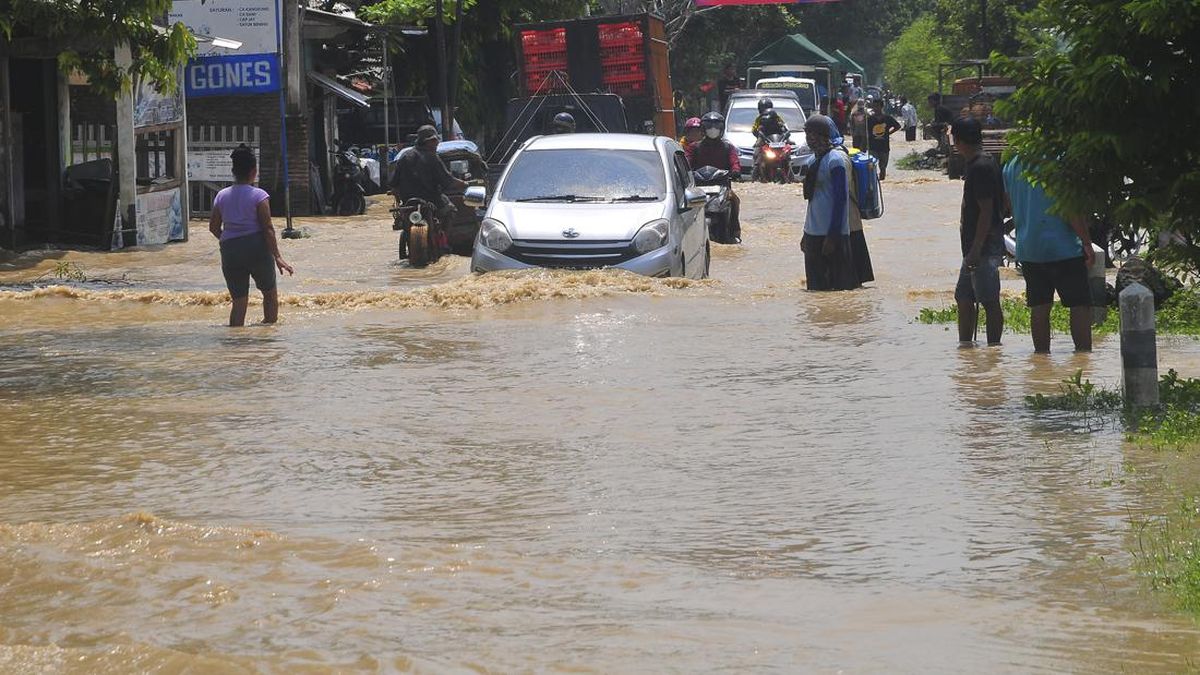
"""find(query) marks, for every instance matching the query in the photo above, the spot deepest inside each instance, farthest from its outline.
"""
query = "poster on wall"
(212, 165)
(160, 217)
(253, 68)
(151, 106)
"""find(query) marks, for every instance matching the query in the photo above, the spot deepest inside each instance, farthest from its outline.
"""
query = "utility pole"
(985, 39)
(452, 83)
(441, 63)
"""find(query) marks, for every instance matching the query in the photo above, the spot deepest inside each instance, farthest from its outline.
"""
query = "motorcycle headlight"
(652, 236)
(494, 235)
(770, 154)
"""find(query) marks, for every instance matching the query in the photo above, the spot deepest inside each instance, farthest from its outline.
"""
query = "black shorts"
(1068, 277)
(246, 257)
(910, 134)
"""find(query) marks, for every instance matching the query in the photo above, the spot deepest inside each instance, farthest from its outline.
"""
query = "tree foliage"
(963, 31)
(1106, 121)
(87, 32)
(861, 28)
(910, 63)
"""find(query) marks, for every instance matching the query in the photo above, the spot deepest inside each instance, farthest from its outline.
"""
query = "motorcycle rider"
(692, 132)
(563, 123)
(767, 124)
(713, 150)
(420, 173)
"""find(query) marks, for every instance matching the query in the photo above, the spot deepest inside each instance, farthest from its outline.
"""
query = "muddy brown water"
(431, 471)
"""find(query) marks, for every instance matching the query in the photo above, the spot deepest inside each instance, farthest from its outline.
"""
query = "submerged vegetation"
(1178, 315)
(1168, 545)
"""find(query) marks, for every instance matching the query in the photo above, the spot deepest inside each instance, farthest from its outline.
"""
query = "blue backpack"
(867, 192)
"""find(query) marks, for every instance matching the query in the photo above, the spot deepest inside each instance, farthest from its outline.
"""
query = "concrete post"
(126, 154)
(1139, 349)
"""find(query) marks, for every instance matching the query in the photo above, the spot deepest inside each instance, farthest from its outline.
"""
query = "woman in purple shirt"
(241, 220)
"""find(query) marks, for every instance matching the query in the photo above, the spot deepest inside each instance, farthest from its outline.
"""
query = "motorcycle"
(776, 159)
(349, 198)
(422, 237)
(717, 210)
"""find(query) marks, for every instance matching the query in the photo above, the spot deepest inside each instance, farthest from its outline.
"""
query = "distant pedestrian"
(1055, 255)
(981, 235)
(728, 83)
(241, 221)
(839, 112)
(881, 126)
(858, 125)
(908, 115)
(828, 260)
(942, 118)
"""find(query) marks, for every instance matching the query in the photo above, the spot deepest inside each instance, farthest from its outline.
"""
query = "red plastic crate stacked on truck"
(623, 58)
(544, 51)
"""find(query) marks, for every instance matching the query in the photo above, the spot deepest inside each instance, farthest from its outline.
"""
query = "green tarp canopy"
(850, 64)
(794, 50)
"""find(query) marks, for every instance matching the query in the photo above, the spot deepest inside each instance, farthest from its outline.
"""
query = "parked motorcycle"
(422, 237)
(776, 160)
(717, 210)
(349, 198)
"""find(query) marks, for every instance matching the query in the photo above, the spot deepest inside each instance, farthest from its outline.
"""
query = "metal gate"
(208, 163)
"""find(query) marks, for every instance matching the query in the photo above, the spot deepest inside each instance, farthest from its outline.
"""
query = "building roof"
(793, 49)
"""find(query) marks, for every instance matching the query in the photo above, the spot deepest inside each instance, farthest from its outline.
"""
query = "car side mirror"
(694, 198)
(475, 196)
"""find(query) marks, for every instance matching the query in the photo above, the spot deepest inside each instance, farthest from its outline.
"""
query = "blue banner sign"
(232, 75)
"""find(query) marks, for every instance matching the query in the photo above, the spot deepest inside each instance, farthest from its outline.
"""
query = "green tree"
(861, 28)
(86, 32)
(967, 36)
(910, 63)
(1105, 121)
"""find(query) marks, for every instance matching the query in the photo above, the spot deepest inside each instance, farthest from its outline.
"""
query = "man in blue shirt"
(1055, 255)
(828, 259)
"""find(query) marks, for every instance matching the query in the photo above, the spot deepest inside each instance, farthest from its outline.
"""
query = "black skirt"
(862, 257)
(834, 272)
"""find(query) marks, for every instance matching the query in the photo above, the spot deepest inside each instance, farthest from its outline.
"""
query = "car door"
(691, 221)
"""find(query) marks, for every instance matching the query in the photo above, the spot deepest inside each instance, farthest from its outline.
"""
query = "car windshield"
(585, 175)
(741, 118)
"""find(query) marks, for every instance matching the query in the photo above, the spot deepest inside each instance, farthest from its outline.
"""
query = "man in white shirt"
(908, 115)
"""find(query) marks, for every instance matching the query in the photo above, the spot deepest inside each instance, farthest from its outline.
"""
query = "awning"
(793, 50)
(850, 64)
(339, 90)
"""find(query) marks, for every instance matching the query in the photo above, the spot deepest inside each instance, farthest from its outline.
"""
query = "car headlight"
(494, 235)
(652, 236)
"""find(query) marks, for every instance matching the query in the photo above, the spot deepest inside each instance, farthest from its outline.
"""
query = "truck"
(611, 72)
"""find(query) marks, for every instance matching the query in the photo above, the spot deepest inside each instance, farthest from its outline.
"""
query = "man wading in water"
(241, 220)
(826, 243)
(980, 234)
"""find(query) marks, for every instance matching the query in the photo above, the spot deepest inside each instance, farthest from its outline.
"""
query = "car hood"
(592, 221)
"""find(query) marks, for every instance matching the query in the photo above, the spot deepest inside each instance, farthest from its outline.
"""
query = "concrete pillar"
(1139, 349)
(126, 155)
(64, 121)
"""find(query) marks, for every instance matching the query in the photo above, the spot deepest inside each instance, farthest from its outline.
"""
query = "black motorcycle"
(349, 198)
(717, 210)
(422, 237)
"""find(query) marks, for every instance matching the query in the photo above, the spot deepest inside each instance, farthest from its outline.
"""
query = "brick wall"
(263, 111)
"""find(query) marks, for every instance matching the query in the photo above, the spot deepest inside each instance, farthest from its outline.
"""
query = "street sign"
(253, 68)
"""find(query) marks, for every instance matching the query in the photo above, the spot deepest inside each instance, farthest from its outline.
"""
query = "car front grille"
(571, 254)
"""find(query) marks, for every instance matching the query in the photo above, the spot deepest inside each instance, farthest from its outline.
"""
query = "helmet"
(713, 120)
(692, 123)
(764, 104)
(714, 125)
(564, 123)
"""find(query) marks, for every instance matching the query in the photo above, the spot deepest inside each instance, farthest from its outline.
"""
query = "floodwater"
(430, 471)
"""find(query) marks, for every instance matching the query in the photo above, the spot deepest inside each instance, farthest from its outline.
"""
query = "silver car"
(739, 120)
(582, 201)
